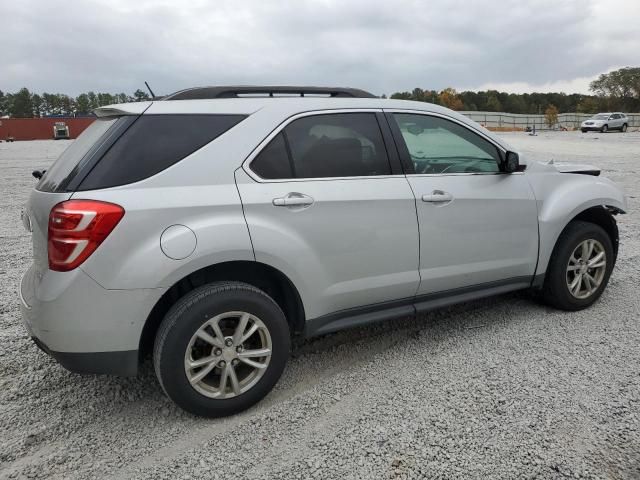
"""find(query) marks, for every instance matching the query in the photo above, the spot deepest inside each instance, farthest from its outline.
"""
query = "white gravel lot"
(494, 389)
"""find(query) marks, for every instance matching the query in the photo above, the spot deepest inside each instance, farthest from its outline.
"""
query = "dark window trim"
(389, 145)
(287, 147)
(403, 151)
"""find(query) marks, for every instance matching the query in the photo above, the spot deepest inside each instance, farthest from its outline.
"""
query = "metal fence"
(522, 121)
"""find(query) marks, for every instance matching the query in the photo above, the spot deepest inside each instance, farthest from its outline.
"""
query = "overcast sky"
(379, 45)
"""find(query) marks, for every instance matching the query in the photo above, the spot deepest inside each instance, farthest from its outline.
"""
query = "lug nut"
(222, 363)
(235, 362)
(228, 342)
(239, 348)
(217, 352)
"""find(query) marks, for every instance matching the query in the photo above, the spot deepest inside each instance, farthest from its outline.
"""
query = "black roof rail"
(201, 93)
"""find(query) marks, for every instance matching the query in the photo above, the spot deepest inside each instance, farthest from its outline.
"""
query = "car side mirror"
(511, 162)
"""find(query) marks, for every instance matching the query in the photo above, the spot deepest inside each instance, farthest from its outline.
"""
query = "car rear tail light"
(77, 228)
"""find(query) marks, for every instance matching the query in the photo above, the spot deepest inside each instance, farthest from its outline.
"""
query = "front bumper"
(591, 128)
(86, 328)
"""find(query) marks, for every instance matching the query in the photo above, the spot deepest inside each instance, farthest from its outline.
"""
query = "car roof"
(284, 107)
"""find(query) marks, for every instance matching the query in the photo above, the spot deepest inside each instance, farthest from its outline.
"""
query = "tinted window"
(438, 146)
(153, 143)
(73, 158)
(273, 161)
(337, 145)
(325, 146)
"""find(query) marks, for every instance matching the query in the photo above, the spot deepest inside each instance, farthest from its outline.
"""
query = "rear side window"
(325, 146)
(154, 143)
(65, 168)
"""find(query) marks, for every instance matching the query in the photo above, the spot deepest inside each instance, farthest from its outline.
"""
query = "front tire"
(604, 129)
(579, 268)
(221, 348)
(584, 130)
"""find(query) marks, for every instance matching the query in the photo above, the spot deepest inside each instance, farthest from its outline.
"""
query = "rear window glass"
(154, 143)
(74, 157)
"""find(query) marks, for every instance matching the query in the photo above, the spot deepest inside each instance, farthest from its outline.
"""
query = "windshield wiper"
(38, 173)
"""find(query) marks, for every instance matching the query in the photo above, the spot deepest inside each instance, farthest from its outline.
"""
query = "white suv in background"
(212, 226)
(603, 122)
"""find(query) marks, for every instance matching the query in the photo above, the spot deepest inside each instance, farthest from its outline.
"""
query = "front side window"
(439, 146)
(325, 146)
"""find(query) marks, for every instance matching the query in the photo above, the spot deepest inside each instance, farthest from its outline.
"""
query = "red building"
(40, 128)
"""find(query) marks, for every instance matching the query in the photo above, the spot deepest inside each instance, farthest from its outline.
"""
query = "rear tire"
(624, 128)
(207, 326)
(562, 289)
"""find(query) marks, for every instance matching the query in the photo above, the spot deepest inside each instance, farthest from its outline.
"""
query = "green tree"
(36, 100)
(140, 96)
(620, 88)
(21, 104)
(82, 103)
(3, 104)
(493, 104)
(587, 105)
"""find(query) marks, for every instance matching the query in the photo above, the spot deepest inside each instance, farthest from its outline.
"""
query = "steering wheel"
(421, 167)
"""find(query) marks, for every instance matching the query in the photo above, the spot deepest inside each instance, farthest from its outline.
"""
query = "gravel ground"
(500, 388)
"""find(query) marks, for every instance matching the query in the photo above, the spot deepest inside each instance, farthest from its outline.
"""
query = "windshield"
(601, 116)
(71, 160)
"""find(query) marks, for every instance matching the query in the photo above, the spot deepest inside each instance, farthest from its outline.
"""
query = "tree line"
(614, 91)
(618, 90)
(25, 104)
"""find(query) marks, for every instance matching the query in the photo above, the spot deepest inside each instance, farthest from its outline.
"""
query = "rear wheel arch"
(260, 275)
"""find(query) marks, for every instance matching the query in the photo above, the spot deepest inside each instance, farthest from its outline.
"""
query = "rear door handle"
(437, 196)
(293, 199)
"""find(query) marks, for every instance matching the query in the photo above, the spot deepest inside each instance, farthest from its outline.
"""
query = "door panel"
(354, 244)
(485, 231)
(477, 225)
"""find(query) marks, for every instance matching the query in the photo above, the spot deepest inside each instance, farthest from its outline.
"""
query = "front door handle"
(437, 196)
(293, 199)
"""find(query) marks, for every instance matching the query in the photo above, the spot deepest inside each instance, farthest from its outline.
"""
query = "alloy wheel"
(228, 355)
(586, 268)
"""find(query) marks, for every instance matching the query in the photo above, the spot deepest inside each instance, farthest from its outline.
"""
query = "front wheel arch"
(601, 215)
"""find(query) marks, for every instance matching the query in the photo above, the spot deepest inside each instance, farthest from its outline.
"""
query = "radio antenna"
(150, 91)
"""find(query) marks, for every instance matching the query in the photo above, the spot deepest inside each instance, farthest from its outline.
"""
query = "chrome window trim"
(256, 151)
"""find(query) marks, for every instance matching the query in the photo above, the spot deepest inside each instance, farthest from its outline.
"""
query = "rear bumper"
(124, 364)
(86, 328)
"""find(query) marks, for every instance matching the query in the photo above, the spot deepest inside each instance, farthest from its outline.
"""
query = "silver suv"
(603, 122)
(213, 226)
